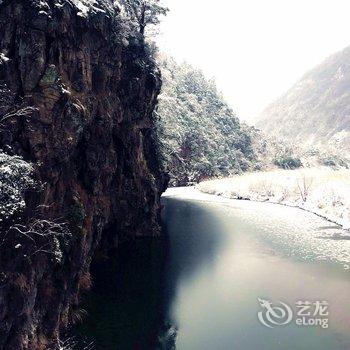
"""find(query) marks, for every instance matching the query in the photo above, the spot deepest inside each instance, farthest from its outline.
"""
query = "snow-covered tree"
(144, 12)
(201, 136)
(15, 178)
(15, 173)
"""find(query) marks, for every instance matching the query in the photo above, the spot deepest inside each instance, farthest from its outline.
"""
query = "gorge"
(138, 211)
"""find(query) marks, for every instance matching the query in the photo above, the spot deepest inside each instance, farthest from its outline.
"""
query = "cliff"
(79, 166)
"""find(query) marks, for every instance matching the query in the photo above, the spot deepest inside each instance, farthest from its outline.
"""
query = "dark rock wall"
(90, 138)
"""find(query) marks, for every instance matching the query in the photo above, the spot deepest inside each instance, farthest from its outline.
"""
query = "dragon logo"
(274, 315)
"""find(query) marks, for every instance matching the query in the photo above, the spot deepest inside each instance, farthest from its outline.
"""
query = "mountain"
(200, 134)
(315, 112)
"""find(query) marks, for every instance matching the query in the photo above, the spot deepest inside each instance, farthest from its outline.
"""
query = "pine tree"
(144, 12)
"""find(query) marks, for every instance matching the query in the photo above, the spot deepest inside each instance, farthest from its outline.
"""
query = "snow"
(15, 177)
(322, 191)
(125, 42)
(85, 6)
(3, 57)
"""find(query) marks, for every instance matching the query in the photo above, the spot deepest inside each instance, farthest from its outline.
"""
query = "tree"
(145, 12)
(15, 179)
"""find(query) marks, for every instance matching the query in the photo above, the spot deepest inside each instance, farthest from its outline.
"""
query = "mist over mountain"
(315, 112)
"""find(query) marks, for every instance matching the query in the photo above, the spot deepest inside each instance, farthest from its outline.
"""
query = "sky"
(255, 49)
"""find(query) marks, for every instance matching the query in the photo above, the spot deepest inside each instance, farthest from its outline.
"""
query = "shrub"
(288, 162)
(15, 178)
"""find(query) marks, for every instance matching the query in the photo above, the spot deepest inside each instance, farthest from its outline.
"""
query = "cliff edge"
(78, 164)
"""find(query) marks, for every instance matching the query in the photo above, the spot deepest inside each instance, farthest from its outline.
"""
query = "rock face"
(316, 110)
(92, 88)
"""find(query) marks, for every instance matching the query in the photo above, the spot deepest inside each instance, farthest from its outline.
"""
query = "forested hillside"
(316, 111)
(201, 137)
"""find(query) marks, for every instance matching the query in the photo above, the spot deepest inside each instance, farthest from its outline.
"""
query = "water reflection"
(198, 289)
(131, 310)
(125, 311)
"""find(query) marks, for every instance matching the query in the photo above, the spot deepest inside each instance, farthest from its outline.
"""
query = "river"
(230, 275)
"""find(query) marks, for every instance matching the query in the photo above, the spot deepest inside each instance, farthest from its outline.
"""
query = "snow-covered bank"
(322, 191)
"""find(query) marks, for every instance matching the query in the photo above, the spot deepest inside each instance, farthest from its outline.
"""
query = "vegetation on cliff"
(15, 179)
(144, 13)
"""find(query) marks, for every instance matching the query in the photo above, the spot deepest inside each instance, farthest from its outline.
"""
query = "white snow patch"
(85, 6)
(322, 191)
(3, 58)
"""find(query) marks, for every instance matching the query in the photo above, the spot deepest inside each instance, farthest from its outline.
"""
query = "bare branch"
(23, 112)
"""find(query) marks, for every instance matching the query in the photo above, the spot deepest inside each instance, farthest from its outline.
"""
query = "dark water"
(199, 289)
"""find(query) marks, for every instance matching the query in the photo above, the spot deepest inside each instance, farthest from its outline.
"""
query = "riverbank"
(322, 191)
(288, 226)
